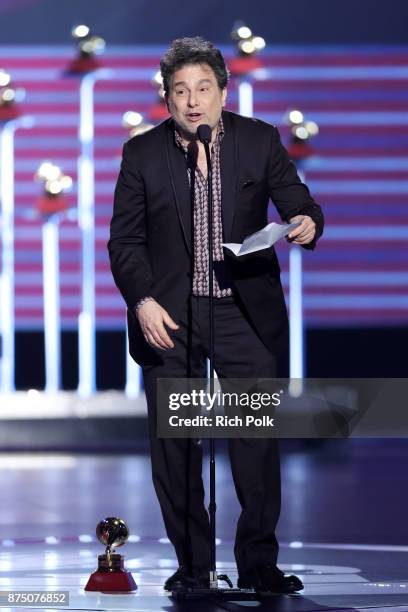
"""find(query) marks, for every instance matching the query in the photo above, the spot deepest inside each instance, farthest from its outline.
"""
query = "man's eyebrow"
(179, 83)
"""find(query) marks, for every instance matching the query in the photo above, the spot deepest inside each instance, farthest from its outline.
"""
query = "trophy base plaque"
(111, 576)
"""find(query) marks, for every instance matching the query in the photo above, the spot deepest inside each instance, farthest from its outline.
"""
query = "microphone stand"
(204, 135)
(212, 508)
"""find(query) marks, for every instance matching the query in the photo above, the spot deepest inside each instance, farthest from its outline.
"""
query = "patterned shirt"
(199, 191)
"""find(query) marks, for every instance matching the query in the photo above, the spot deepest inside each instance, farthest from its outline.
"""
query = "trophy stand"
(111, 575)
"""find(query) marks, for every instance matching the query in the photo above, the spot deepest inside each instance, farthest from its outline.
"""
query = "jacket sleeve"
(290, 196)
(127, 246)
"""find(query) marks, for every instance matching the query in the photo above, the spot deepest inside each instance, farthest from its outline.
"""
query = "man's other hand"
(305, 232)
(153, 318)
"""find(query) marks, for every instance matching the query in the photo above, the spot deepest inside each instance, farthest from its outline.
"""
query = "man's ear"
(224, 96)
(166, 100)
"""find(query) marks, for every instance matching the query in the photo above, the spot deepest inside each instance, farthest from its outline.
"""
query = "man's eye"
(180, 92)
(204, 88)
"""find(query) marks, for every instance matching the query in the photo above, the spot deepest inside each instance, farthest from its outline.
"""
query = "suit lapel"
(229, 174)
(180, 185)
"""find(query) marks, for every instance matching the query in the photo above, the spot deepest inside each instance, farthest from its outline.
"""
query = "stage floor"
(343, 527)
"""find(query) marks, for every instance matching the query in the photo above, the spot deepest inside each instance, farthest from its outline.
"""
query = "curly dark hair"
(195, 50)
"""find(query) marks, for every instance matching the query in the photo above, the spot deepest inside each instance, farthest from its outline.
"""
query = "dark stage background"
(158, 21)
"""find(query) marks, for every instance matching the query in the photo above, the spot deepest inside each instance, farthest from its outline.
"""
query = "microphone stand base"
(215, 593)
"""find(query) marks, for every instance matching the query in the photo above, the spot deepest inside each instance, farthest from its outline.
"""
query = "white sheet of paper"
(262, 239)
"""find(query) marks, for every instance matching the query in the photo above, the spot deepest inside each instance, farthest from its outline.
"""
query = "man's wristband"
(143, 301)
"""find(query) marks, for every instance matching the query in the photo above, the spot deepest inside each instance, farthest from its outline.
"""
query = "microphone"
(204, 133)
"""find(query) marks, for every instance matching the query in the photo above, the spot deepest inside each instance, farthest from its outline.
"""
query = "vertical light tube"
(51, 293)
(7, 240)
(295, 312)
(245, 99)
(297, 348)
(7, 318)
(86, 220)
(133, 373)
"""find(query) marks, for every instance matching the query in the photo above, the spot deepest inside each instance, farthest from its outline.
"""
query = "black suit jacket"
(150, 244)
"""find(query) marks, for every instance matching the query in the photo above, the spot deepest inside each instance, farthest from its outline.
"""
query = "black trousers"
(177, 463)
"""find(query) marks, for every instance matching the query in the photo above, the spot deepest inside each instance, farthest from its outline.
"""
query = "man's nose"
(192, 100)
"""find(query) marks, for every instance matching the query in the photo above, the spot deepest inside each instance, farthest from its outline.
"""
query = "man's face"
(194, 98)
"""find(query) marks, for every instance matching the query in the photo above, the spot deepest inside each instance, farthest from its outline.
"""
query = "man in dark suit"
(159, 260)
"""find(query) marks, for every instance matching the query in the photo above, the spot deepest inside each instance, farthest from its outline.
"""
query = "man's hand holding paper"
(264, 238)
